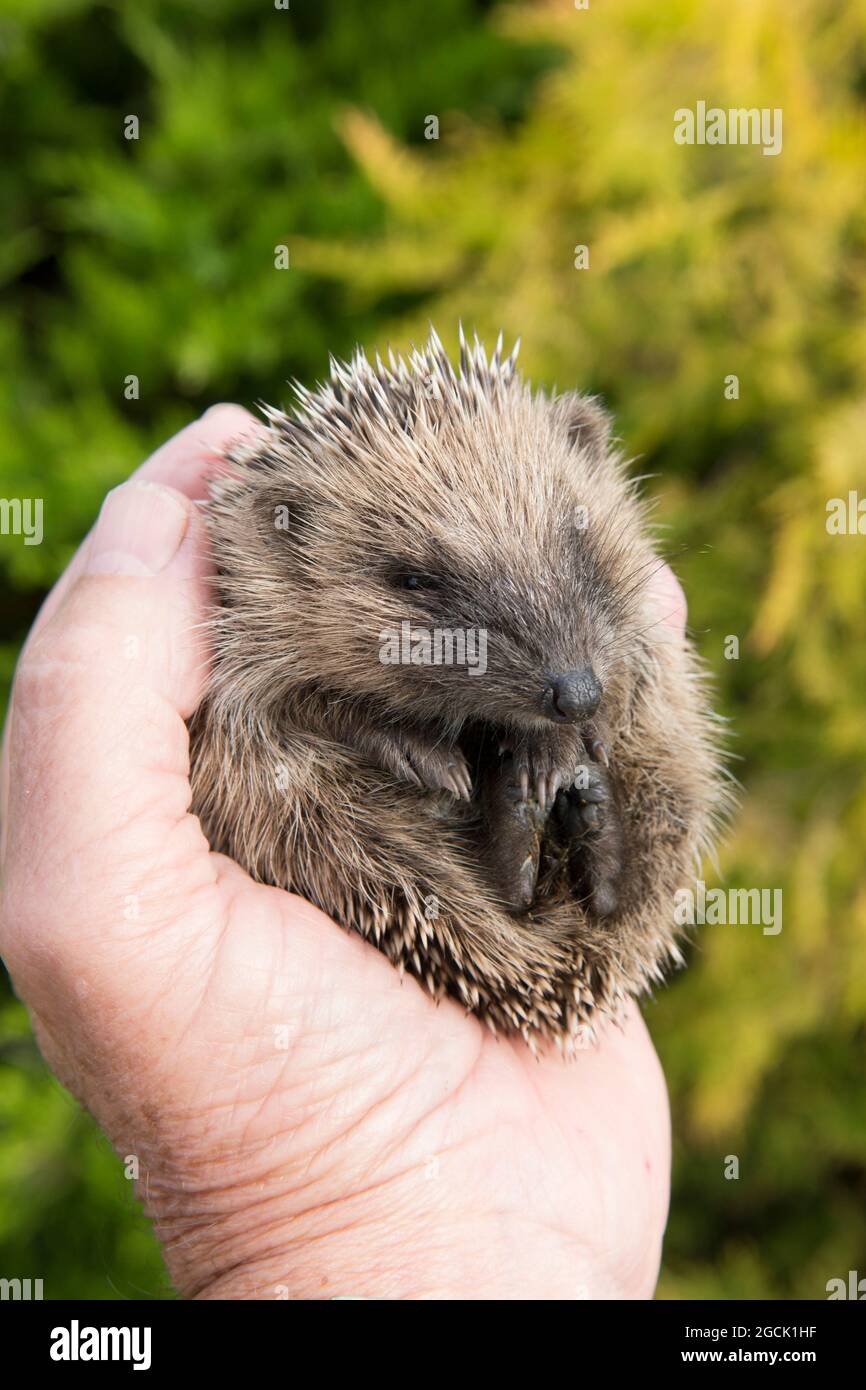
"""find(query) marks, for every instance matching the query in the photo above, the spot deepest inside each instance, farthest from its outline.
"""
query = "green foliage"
(155, 257)
(306, 128)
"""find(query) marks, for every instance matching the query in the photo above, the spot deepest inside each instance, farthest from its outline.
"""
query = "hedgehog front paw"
(514, 832)
(544, 764)
(589, 818)
(427, 763)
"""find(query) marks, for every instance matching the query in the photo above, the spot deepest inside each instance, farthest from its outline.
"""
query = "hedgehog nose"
(574, 695)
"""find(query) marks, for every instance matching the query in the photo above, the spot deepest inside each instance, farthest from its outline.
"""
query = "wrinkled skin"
(304, 1122)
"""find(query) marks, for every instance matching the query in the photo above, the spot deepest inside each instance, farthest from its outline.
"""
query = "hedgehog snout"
(572, 696)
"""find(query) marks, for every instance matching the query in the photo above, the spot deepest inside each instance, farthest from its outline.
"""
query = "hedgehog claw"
(598, 751)
(456, 779)
(464, 782)
(543, 766)
(432, 765)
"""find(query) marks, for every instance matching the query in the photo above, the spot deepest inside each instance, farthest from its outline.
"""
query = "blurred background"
(308, 127)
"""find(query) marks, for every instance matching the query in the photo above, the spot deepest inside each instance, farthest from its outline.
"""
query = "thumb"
(100, 845)
(147, 531)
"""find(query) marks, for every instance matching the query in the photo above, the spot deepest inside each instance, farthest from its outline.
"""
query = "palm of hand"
(304, 1120)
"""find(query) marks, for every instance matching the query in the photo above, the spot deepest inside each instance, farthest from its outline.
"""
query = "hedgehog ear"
(588, 426)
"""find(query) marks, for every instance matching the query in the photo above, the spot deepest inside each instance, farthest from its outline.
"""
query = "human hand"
(305, 1124)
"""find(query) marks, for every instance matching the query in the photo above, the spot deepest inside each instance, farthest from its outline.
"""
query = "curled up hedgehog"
(442, 706)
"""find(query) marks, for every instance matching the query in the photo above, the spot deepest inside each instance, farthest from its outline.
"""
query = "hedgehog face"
(463, 554)
(470, 632)
(440, 613)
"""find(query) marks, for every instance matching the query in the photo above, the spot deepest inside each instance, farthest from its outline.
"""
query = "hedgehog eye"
(413, 580)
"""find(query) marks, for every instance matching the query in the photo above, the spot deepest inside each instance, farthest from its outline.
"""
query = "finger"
(187, 460)
(667, 600)
(99, 839)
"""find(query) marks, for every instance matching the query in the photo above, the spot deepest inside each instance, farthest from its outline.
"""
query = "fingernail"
(139, 530)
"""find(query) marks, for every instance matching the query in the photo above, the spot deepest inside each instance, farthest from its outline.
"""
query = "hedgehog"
(442, 706)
